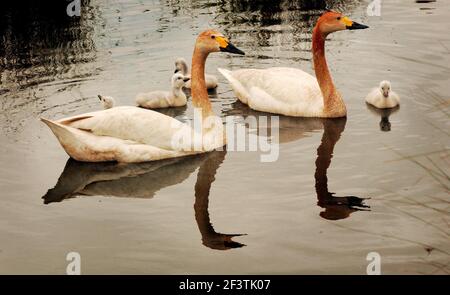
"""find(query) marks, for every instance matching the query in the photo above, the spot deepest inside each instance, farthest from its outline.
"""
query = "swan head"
(107, 101)
(181, 66)
(212, 41)
(179, 80)
(385, 88)
(332, 21)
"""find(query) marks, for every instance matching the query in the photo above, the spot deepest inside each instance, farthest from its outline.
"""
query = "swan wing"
(286, 91)
(139, 125)
(85, 146)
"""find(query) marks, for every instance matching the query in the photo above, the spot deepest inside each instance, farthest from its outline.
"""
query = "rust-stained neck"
(199, 92)
(333, 104)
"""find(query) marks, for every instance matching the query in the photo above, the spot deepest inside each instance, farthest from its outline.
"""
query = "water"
(376, 181)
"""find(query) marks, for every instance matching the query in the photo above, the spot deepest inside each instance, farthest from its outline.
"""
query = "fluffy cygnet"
(383, 97)
(107, 101)
(165, 99)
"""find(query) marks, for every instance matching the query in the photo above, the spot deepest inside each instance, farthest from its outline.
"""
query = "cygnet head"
(179, 80)
(385, 88)
(107, 101)
(181, 66)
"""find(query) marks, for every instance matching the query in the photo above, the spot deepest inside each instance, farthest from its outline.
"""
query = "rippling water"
(376, 181)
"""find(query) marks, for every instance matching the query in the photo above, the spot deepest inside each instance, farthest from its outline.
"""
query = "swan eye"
(213, 37)
(338, 18)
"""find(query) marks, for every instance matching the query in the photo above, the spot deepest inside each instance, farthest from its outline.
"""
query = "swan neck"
(199, 92)
(333, 103)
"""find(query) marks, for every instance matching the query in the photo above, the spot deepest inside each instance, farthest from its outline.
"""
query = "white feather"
(286, 91)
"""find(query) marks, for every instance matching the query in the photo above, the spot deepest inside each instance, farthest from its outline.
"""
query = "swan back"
(286, 91)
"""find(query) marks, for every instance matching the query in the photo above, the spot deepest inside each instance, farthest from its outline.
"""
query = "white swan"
(133, 134)
(108, 102)
(181, 66)
(383, 97)
(165, 99)
(293, 92)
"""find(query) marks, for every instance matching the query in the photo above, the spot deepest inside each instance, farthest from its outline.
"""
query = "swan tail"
(76, 143)
(239, 89)
(59, 130)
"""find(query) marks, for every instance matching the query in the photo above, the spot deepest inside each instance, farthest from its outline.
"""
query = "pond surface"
(374, 182)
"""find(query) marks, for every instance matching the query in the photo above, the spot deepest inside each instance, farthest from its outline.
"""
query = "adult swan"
(131, 134)
(290, 91)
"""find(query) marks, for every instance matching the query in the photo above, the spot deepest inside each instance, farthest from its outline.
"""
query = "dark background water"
(376, 181)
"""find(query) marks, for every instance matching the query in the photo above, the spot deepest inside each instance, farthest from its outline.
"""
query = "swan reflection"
(143, 180)
(336, 207)
(384, 114)
(295, 128)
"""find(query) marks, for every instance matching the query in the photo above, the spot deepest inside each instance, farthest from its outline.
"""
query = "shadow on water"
(384, 114)
(143, 181)
(293, 129)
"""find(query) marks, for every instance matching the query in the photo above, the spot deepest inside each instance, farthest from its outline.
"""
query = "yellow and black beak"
(226, 46)
(351, 25)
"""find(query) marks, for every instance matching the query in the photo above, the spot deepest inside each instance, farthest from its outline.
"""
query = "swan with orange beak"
(291, 91)
(132, 134)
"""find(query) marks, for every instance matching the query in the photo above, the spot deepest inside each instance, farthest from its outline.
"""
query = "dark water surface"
(376, 181)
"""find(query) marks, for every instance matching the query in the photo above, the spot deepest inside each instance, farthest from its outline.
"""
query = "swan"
(108, 102)
(131, 134)
(293, 92)
(165, 99)
(181, 66)
(383, 97)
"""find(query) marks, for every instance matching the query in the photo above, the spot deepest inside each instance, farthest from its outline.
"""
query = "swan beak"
(99, 96)
(231, 49)
(356, 26)
(186, 79)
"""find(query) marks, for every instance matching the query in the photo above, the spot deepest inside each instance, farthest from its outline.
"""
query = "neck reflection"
(205, 177)
(143, 180)
(336, 207)
(294, 129)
